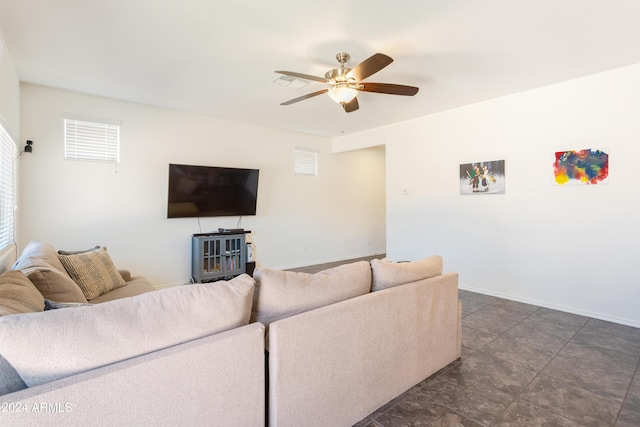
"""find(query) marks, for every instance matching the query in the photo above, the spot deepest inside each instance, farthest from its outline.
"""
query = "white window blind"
(7, 186)
(305, 162)
(92, 139)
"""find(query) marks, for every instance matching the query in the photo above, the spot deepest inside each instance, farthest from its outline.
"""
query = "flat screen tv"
(199, 191)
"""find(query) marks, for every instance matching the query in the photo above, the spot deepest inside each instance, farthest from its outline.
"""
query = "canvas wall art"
(582, 167)
(482, 178)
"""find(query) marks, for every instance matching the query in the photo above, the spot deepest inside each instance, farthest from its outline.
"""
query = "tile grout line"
(554, 357)
(537, 373)
(633, 377)
(540, 373)
(515, 398)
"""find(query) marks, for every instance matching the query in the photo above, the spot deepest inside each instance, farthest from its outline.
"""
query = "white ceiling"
(217, 57)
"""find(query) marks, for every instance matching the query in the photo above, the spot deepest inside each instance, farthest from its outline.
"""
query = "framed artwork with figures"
(481, 178)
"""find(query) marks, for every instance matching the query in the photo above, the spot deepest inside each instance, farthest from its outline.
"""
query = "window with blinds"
(305, 162)
(92, 140)
(7, 187)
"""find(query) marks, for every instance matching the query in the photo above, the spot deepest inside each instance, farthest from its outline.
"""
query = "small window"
(305, 162)
(92, 139)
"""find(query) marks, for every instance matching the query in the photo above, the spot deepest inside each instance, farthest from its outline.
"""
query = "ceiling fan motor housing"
(339, 76)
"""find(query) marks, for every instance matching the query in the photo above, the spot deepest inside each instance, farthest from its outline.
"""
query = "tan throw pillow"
(388, 274)
(93, 271)
(58, 343)
(18, 294)
(40, 262)
(281, 294)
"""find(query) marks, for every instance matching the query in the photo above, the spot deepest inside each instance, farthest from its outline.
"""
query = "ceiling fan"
(346, 82)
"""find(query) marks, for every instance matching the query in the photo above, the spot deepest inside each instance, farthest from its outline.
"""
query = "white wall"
(10, 120)
(301, 220)
(9, 93)
(573, 248)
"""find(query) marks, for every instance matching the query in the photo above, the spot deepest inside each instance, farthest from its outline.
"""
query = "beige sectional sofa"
(77, 276)
(334, 365)
(338, 344)
(217, 380)
(183, 356)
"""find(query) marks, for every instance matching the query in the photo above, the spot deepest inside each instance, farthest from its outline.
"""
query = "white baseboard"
(547, 304)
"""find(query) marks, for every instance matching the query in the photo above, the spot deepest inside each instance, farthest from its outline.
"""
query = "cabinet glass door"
(233, 252)
(211, 256)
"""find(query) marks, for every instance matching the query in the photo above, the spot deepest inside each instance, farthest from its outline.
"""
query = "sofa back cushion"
(387, 274)
(93, 271)
(18, 294)
(281, 294)
(54, 344)
(40, 262)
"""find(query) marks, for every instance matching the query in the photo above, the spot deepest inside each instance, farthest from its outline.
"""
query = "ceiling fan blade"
(303, 97)
(388, 88)
(303, 76)
(351, 105)
(370, 66)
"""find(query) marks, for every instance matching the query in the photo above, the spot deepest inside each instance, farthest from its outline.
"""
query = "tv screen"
(196, 191)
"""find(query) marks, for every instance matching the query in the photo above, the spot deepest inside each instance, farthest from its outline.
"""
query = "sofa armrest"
(126, 275)
(215, 380)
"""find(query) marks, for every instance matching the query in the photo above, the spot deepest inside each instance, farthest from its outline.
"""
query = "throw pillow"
(18, 294)
(40, 262)
(281, 294)
(43, 347)
(93, 271)
(10, 381)
(53, 305)
(389, 274)
(95, 248)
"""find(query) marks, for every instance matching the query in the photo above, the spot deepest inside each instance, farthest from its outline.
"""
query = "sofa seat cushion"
(40, 262)
(93, 271)
(387, 274)
(137, 285)
(281, 294)
(54, 344)
(18, 294)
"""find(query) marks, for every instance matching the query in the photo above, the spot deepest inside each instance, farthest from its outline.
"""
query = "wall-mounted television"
(200, 191)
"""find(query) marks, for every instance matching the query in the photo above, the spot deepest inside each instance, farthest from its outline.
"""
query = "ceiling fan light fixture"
(345, 83)
(342, 94)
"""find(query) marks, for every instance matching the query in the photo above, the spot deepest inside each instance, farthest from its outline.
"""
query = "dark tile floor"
(524, 365)
(319, 267)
